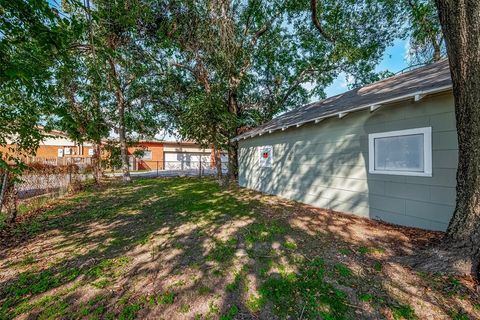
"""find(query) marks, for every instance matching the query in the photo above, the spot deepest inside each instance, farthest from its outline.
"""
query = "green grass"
(166, 298)
(342, 270)
(367, 297)
(155, 245)
(230, 314)
(305, 293)
(235, 284)
(262, 232)
(254, 303)
(129, 312)
(367, 250)
(377, 266)
(458, 315)
(403, 312)
(223, 251)
(28, 260)
(345, 251)
(184, 308)
(290, 245)
(204, 290)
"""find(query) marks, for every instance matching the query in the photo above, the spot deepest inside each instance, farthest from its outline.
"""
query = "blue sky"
(394, 60)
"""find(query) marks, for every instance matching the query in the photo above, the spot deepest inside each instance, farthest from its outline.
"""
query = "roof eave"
(374, 106)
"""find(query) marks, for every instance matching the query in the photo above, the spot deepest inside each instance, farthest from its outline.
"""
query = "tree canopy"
(34, 37)
(205, 69)
(235, 64)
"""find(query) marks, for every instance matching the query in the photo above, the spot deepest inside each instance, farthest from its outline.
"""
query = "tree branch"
(316, 22)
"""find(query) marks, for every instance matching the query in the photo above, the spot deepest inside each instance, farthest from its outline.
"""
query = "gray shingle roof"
(429, 79)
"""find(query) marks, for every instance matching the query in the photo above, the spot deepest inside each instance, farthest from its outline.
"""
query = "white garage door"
(186, 160)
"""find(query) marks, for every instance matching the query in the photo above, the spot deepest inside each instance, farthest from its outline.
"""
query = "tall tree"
(106, 84)
(81, 104)
(34, 37)
(460, 22)
(254, 57)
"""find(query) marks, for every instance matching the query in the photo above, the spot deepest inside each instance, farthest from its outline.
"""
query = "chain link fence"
(152, 168)
(37, 181)
(41, 179)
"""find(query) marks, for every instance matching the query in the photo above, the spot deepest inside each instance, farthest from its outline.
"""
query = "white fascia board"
(421, 94)
(406, 97)
(319, 120)
(375, 107)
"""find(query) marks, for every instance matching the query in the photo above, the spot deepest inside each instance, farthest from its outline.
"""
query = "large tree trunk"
(460, 22)
(123, 142)
(121, 123)
(233, 146)
(233, 161)
(218, 162)
(97, 163)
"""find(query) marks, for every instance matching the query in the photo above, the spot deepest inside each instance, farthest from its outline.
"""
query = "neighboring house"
(387, 151)
(167, 155)
(58, 149)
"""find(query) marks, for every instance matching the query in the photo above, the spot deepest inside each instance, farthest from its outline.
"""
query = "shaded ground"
(182, 248)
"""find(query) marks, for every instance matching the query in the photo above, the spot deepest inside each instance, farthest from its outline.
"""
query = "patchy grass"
(183, 248)
(230, 314)
(403, 312)
(305, 294)
(166, 298)
(223, 251)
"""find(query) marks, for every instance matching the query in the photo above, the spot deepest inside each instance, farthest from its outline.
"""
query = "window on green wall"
(403, 152)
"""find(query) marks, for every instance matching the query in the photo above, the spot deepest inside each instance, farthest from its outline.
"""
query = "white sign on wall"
(91, 152)
(67, 151)
(266, 156)
(60, 153)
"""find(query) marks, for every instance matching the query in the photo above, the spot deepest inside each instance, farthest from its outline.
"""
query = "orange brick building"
(58, 149)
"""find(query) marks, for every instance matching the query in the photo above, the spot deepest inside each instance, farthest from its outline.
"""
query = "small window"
(404, 152)
(147, 155)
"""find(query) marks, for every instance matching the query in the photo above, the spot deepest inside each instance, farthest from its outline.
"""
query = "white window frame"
(427, 151)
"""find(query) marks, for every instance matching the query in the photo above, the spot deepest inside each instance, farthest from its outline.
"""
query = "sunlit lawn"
(183, 248)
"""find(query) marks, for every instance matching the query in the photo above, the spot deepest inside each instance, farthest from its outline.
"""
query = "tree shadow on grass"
(183, 248)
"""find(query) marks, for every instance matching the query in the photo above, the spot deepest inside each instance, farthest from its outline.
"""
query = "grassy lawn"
(182, 248)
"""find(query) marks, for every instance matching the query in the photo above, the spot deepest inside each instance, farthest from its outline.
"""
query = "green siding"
(326, 165)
